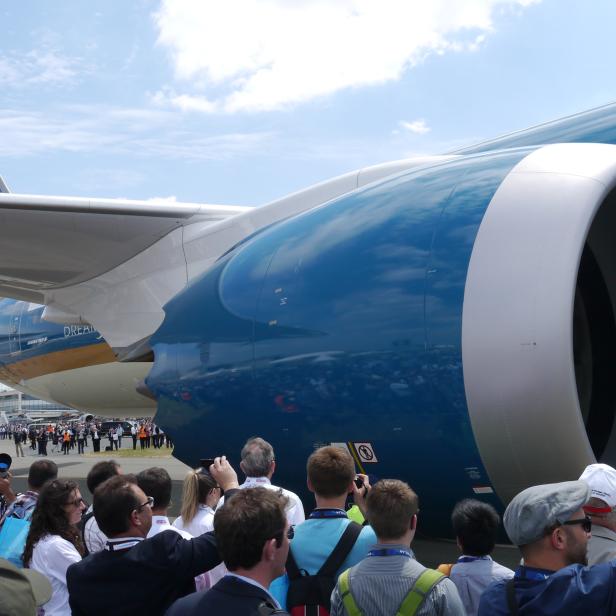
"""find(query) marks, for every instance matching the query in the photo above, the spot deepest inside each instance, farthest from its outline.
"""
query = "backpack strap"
(417, 595)
(344, 583)
(293, 571)
(341, 551)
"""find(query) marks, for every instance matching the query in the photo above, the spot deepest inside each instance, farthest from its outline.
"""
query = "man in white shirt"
(94, 538)
(475, 525)
(156, 482)
(259, 464)
(602, 481)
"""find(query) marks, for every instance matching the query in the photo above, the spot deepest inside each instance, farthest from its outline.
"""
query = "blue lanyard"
(528, 573)
(319, 514)
(390, 552)
(471, 559)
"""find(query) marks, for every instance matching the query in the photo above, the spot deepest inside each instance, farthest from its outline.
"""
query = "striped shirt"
(379, 584)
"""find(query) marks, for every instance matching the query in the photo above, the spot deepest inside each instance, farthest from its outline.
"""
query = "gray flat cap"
(536, 508)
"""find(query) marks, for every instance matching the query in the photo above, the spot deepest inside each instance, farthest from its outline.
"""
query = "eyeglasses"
(149, 503)
(586, 523)
(77, 502)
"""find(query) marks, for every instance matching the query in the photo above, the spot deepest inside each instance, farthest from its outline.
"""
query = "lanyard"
(528, 573)
(319, 514)
(390, 552)
(471, 559)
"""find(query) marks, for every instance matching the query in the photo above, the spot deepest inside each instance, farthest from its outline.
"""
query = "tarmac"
(76, 467)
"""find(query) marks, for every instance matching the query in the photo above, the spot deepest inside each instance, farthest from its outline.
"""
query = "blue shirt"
(572, 590)
(472, 575)
(313, 542)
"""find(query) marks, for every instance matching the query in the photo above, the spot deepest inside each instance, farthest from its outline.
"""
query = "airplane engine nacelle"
(452, 326)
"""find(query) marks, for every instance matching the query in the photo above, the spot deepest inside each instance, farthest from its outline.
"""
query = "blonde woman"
(200, 495)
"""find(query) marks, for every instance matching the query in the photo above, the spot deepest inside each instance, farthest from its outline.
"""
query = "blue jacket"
(574, 590)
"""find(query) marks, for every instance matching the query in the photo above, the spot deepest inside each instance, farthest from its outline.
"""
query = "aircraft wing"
(49, 243)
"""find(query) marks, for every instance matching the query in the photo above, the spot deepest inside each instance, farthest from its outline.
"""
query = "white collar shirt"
(161, 523)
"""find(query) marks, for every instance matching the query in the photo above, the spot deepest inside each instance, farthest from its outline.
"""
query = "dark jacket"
(574, 591)
(228, 597)
(144, 579)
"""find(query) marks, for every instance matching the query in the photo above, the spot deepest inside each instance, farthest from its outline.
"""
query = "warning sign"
(365, 451)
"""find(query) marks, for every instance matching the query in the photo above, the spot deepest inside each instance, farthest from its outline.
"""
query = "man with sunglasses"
(134, 574)
(548, 524)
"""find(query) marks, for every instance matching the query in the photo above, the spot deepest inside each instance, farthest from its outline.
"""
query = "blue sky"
(243, 101)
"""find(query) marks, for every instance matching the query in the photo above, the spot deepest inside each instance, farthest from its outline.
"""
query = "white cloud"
(419, 127)
(252, 55)
(39, 67)
(145, 133)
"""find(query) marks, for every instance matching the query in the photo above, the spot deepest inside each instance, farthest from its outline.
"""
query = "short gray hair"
(257, 457)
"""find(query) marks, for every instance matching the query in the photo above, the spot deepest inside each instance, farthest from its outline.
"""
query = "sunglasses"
(148, 503)
(290, 535)
(586, 523)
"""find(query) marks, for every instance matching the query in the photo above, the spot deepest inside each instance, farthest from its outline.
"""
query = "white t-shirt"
(52, 556)
(295, 508)
(203, 522)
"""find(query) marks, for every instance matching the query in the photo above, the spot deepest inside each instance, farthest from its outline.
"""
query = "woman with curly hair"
(54, 541)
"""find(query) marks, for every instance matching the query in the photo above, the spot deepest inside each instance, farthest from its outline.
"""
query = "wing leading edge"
(52, 242)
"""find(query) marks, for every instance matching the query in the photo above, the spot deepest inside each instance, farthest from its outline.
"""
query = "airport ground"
(74, 466)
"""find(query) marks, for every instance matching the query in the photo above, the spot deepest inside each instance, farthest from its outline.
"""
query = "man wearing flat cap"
(548, 524)
(602, 481)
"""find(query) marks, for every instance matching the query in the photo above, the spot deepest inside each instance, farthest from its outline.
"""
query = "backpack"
(14, 532)
(410, 604)
(310, 595)
(82, 530)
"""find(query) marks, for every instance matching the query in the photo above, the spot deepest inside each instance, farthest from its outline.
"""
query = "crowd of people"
(68, 437)
(248, 549)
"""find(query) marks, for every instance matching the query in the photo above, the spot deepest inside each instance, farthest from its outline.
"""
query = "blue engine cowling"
(345, 325)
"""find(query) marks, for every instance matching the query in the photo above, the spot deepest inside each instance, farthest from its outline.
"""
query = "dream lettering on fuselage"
(77, 330)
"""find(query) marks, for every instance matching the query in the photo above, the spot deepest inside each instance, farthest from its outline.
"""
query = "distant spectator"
(602, 481)
(331, 475)
(135, 575)
(40, 472)
(94, 538)
(258, 463)
(18, 440)
(54, 541)
(252, 534)
(381, 583)
(475, 525)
